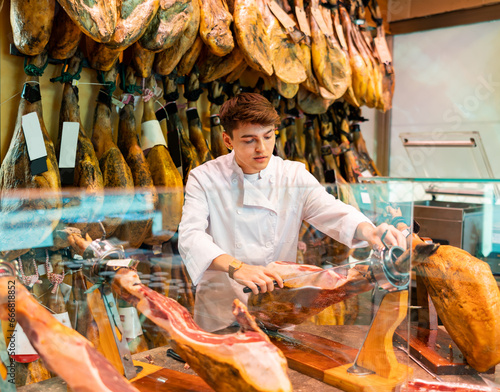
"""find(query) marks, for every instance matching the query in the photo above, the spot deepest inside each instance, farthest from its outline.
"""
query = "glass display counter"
(107, 268)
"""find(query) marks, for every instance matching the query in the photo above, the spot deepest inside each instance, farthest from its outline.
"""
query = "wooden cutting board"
(155, 378)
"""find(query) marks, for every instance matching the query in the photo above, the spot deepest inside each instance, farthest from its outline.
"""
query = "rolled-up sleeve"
(196, 246)
(330, 215)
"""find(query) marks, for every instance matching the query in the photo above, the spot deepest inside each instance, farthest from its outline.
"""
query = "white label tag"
(281, 15)
(383, 50)
(119, 104)
(340, 32)
(130, 322)
(152, 135)
(365, 198)
(65, 291)
(366, 173)
(318, 17)
(69, 143)
(119, 263)
(63, 318)
(34, 136)
(19, 340)
(303, 22)
(41, 270)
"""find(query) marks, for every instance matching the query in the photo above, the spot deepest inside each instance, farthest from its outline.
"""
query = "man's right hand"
(258, 278)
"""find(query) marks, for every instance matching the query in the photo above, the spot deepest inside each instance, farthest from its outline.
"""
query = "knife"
(249, 290)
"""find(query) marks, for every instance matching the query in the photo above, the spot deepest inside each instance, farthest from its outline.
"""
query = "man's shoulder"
(219, 165)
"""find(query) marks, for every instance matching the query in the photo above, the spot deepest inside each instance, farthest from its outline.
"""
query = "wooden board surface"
(316, 355)
(166, 380)
(432, 348)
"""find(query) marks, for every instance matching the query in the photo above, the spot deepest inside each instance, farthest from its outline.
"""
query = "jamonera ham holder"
(243, 361)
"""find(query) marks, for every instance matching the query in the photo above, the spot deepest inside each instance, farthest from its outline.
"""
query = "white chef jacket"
(256, 222)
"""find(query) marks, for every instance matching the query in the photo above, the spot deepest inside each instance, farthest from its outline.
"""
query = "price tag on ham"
(35, 143)
(152, 135)
(67, 152)
(63, 318)
(303, 22)
(130, 322)
(21, 346)
(383, 50)
(281, 15)
(318, 17)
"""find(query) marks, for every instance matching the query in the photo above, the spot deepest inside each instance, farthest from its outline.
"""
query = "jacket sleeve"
(196, 246)
(330, 215)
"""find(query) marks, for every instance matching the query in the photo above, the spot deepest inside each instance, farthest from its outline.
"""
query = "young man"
(244, 210)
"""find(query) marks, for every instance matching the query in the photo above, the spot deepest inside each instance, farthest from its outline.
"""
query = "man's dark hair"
(247, 108)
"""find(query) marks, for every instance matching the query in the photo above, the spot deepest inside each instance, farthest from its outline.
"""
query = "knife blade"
(249, 290)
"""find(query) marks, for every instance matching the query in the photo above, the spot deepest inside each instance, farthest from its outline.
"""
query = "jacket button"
(268, 244)
(238, 245)
(239, 212)
(272, 213)
(234, 181)
(271, 180)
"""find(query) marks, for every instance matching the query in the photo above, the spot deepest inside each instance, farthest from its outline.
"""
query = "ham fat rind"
(307, 295)
(64, 351)
(244, 361)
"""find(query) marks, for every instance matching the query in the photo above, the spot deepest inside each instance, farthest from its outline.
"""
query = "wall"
(447, 80)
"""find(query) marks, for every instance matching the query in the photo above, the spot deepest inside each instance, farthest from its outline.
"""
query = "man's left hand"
(373, 235)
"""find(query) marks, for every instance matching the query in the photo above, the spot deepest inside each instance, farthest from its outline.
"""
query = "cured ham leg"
(307, 295)
(244, 361)
(22, 191)
(215, 22)
(64, 351)
(65, 37)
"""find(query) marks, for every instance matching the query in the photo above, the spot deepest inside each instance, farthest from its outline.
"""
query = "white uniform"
(257, 222)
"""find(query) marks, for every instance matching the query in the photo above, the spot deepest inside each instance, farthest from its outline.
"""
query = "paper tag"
(303, 22)
(117, 102)
(340, 32)
(287, 22)
(383, 50)
(20, 343)
(63, 318)
(35, 143)
(69, 143)
(119, 263)
(41, 270)
(365, 198)
(65, 291)
(318, 17)
(152, 135)
(366, 173)
(130, 322)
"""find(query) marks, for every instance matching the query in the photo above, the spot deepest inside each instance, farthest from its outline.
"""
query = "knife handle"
(249, 290)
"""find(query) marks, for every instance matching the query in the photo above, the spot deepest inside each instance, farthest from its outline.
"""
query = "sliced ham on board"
(167, 60)
(21, 192)
(307, 295)
(168, 24)
(136, 228)
(97, 19)
(31, 23)
(63, 349)
(87, 174)
(118, 180)
(251, 35)
(244, 361)
(215, 23)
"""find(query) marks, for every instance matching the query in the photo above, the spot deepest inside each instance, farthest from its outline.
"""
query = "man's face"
(253, 146)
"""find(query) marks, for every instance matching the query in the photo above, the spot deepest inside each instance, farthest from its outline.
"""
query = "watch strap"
(234, 266)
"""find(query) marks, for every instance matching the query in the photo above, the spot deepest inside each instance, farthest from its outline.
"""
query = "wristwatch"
(234, 266)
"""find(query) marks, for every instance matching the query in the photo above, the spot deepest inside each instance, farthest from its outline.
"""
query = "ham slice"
(64, 351)
(307, 295)
(244, 361)
(31, 23)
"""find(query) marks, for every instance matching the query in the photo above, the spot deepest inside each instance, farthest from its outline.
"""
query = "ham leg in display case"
(243, 361)
(306, 292)
(64, 351)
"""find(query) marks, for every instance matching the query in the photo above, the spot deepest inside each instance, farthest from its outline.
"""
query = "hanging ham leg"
(115, 171)
(65, 37)
(87, 176)
(65, 351)
(215, 22)
(307, 295)
(22, 191)
(244, 361)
